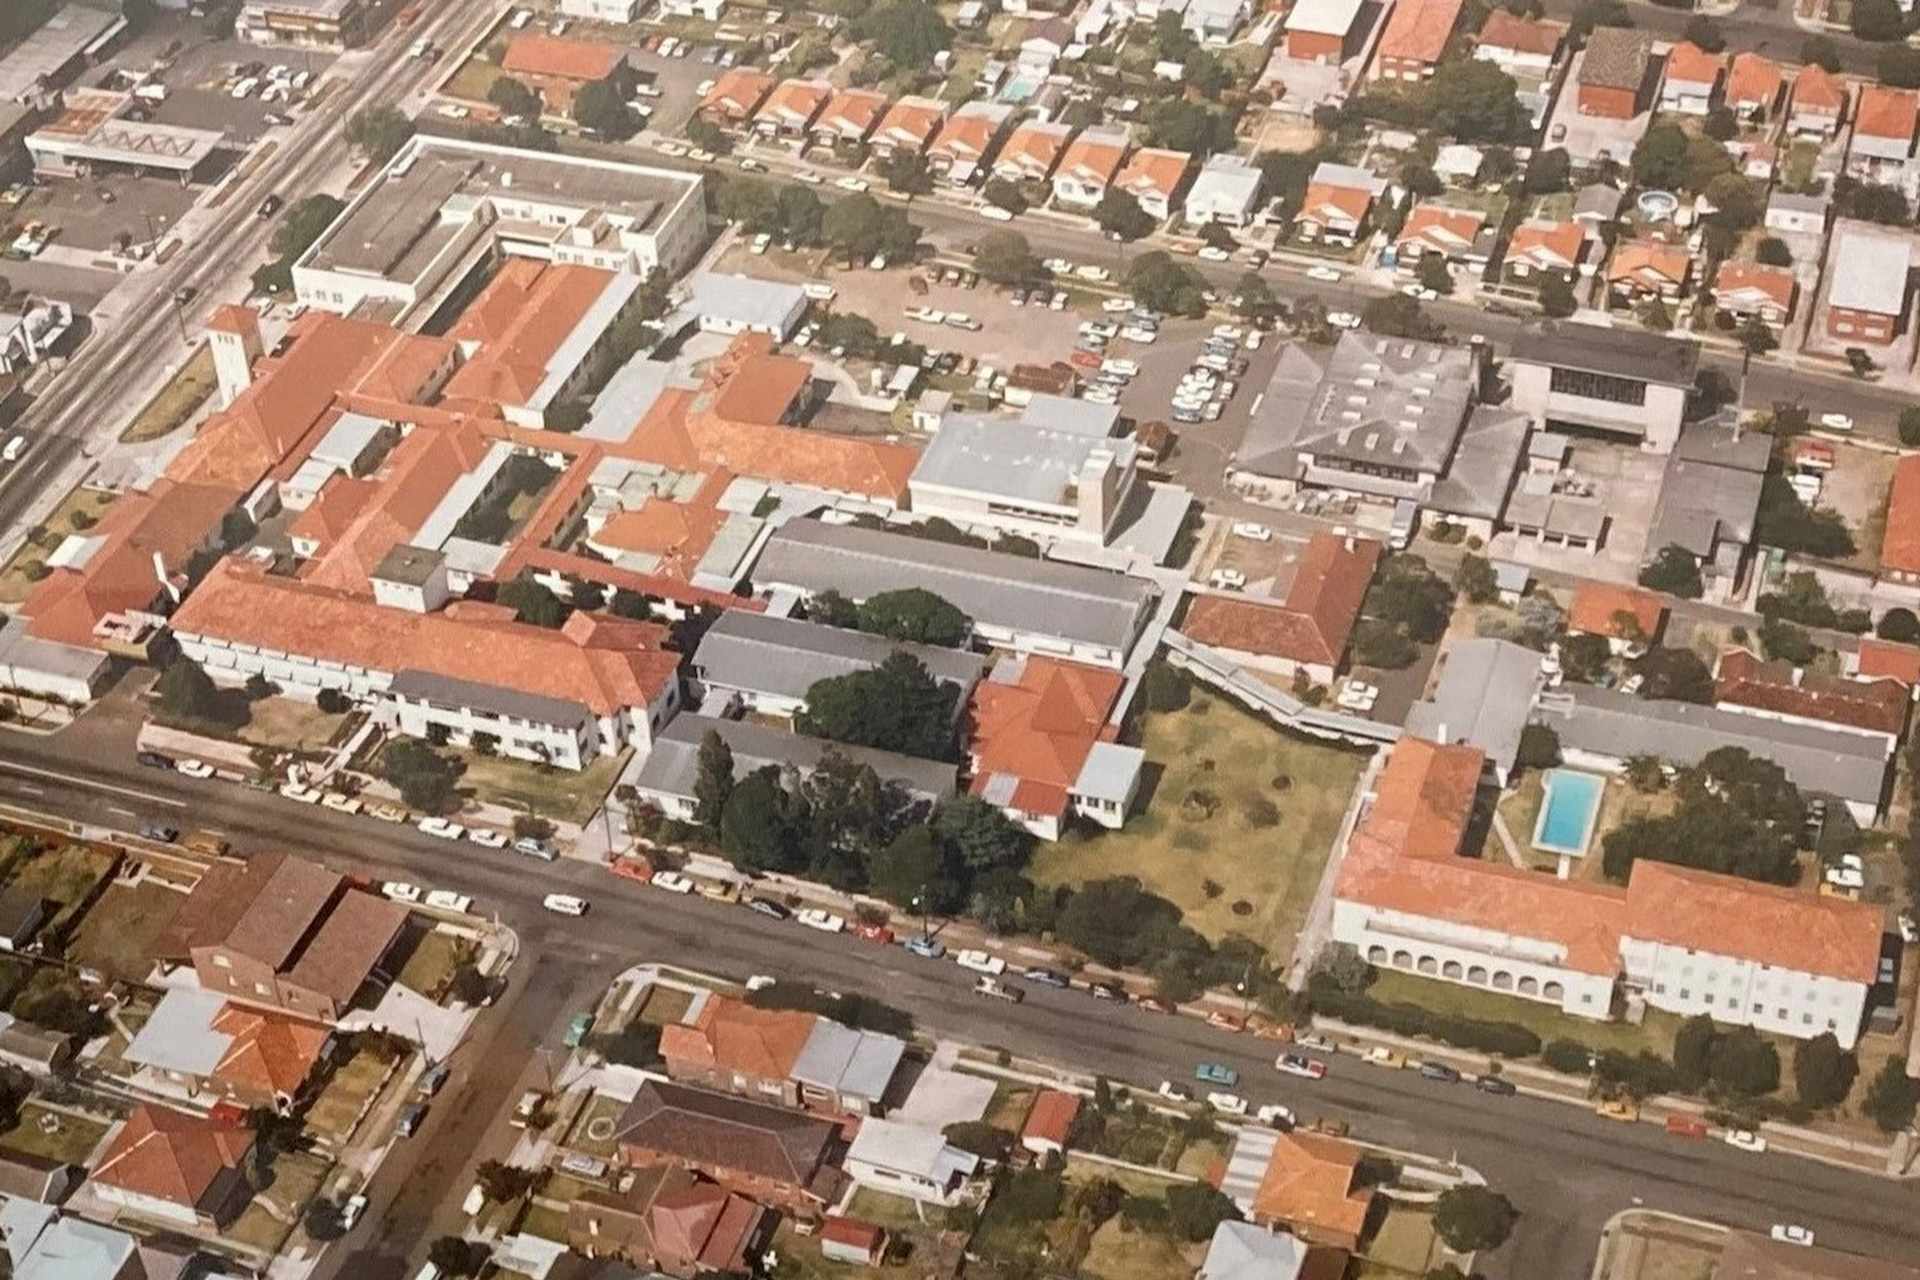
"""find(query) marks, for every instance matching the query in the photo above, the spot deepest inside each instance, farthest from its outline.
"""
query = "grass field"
(174, 403)
(65, 875)
(118, 934)
(564, 795)
(1655, 1033)
(56, 1135)
(290, 725)
(15, 585)
(1234, 871)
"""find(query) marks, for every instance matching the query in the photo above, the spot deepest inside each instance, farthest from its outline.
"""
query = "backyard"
(66, 875)
(55, 1135)
(1404, 1245)
(1519, 810)
(1238, 821)
(118, 934)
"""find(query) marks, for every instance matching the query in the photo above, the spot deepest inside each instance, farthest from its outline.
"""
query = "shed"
(850, 1240)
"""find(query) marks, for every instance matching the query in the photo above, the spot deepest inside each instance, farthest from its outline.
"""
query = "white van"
(15, 447)
(565, 903)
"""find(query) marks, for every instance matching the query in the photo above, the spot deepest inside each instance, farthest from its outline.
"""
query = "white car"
(1418, 292)
(759, 244)
(809, 177)
(671, 881)
(350, 1211)
(961, 320)
(487, 839)
(299, 794)
(1254, 338)
(1099, 275)
(674, 149)
(1788, 1233)
(1059, 266)
(1145, 337)
(824, 921)
(1228, 332)
(1252, 531)
(1343, 319)
(565, 904)
(193, 768)
(1214, 253)
(994, 213)
(387, 813)
(401, 891)
(980, 962)
(1117, 306)
(1746, 1140)
(1230, 579)
(441, 828)
(1173, 1092)
(1125, 368)
(1100, 329)
(926, 315)
(850, 184)
(1100, 395)
(339, 803)
(760, 982)
(1277, 1116)
(448, 900)
(1231, 1103)
(1836, 422)
(1325, 274)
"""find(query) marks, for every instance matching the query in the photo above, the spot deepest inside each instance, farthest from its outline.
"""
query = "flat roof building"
(769, 662)
(1585, 379)
(49, 58)
(309, 24)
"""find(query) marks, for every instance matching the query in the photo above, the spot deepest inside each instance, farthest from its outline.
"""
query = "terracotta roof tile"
(1819, 91)
(1749, 283)
(1154, 171)
(1688, 63)
(1746, 920)
(1900, 544)
(1312, 624)
(1033, 148)
(1440, 228)
(518, 325)
(1093, 157)
(1597, 606)
(1649, 263)
(1050, 1118)
(532, 53)
(1884, 660)
(718, 1131)
(268, 1051)
(737, 93)
(1753, 81)
(1417, 30)
(1507, 30)
(1743, 680)
(911, 123)
(1329, 205)
(966, 137)
(853, 113)
(795, 104)
(1548, 244)
(1886, 112)
(172, 1156)
(1308, 1184)
(732, 1035)
(1041, 727)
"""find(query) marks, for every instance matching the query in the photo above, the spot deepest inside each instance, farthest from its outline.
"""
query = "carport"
(132, 145)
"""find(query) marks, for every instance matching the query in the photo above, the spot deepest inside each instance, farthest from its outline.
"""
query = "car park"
(440, 828)
(671, 881)
(565, 904)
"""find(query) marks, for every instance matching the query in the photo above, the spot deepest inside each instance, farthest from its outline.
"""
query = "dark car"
(156, 832)
(1108, 991)
(411, 1118)
(1496, 1085)
(154, 760)
(1047, 978)
(1439, 1071)
(768, 907)
(270, 206)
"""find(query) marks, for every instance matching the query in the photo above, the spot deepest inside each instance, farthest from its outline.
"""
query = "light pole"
(926, 922)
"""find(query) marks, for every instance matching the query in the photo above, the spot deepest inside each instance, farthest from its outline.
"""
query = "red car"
(1085, 359)
(873, 932)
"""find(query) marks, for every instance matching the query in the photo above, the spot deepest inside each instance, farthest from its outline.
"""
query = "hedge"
(1508, 1039)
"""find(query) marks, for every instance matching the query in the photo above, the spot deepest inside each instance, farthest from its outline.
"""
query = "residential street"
(1567, 1170)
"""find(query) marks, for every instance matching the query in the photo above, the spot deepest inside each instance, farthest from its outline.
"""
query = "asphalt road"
(1566, 1169)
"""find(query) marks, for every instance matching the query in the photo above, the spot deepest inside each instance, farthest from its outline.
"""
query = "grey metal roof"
(1370, 401)
(783, 657)
(1710, 492)
(1242, 1251)
(74, 1249)
(1041, 597)
(58, 41)
(1818, 760)
(1598, 202)
(1110, 772)
(179, 1035)
(347, 439)
(1480, 475)
(1484, 696)
(1036, 459)
(674, 763)
(1225, 181)
(1649, 357)
(1868, 268)
(1796, 202)
(922, 1153)
(857, 1063)
(409, 565)
(23, 652)
(758, 304)
(626, 398)
(449, 691)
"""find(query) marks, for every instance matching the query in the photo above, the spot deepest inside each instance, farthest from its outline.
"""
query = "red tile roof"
(1649, 263)
(1312, 624)
(737, 93)
(1690, 64)
(1329, 205)
(1440, 228)
(910, 123)
(1884, 660)
(796, 103)
(519, 323)
(1506, 30)
(1050, 1119)
(1751, 283)
(267, 1052)
(1744, 919)
(534, 54)
(1743, 680)
(1154, 171)
(1597, 606)
(1417, 30)
(1093, 157)
(731, 1035)
(1033, 147)
(852, 113)
(1040, 728)
(1819, 91)
(1900, 544)
(1308, 1184)
(172, 1156)
(1753, 81)
(1548, 244)
(966, 137)
(1886, 113)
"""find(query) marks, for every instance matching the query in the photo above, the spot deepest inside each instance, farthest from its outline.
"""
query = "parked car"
(1252, 531)
(577, 1030)
(434, 1080)
(1499, 1086)
(1746, 1140)
(412, 1116)
(1439, 1071)
(1326, 275)
(1299, 1064)
(1107, 991)
(448, 900)
(300, 794)
(153, 760)
(565, 904)
(1216, 1073)
(1047, 977)
(981, 962)
(487, 839)
(533, 848)
(350, 1212)
(925, 948)
(998, 990)
(671, 881)
(1274, 1114)
(1231, 1103)
(194, 768)
(1381, 1056)
(873, 931)
(1174, 1092)
(1788, 1233)
(159, 833)
(441, 828)
(401, 891)
(340, 803)
(824, 921)
(769, 908)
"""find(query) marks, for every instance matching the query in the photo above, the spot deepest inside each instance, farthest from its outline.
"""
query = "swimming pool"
(1568, 812)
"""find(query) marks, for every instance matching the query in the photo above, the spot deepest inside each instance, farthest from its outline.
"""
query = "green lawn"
(16, 584)
(1404, 1243)
(174, 403)
(1225, 872)
(1656, 1032)
(433, 961)
(592, 1132)
(1081, 1170)
(547, 1221)
(564, 795)
(118, 934)
(334, 1113)
(1115, 1253)
(56, 1135)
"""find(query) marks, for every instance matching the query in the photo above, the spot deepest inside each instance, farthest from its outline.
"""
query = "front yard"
(561, 795)
(18, 578)
(1449, 999)
(290, 724)
(1239, 820)
(336, 1112)
(1404, 1245)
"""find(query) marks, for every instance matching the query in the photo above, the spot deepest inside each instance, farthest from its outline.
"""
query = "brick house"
(1869, 293)
(1613, 73)
(1415, 38)
(769, 1154)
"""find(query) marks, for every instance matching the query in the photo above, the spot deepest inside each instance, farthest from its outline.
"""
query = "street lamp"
(926, 922)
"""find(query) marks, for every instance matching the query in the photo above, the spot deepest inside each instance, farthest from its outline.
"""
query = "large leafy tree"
(896, 706)
(907, 33)
(1472, 1218)
(914, 614)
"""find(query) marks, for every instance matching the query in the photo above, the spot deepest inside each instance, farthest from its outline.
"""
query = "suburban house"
(1612, 76)
(284, 933)
(172, 1167)
(1243, 1251)
(1625, 384)
(767, 664)
(672, 1220)
(1415, 37)
(668, 777)
(1743, 289)
(789, 1056)
(1090, 163)
(1900, 544)
(1519, 46)
(1304, 632)
(906, 1160)
(790, 110)
(1049, 1123)
(1226, 190)
(736, 97)
(1156, 177)
(1318, 31)
(1031, 150)
(908, 126)
(1643, 269)
(1792, 214)
(556, 69)
(1882, 143)
(198, 1043)
(1539, 247)
(1869, 283)
(1709, 500)
(1027, 606)
(1754, 85)
(1044, 747)
(1629, 618)
(966, 141)
(1749, 954)
(1745, 683)
(1818, 104)
(1304, 1183)
(1215, 21)
(1454, 235)
(849, 118)
(770, 1154)
(1338, 201)
(1692, 80)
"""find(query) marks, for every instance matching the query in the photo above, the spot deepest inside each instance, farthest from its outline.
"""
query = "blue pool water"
(1567, 815)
